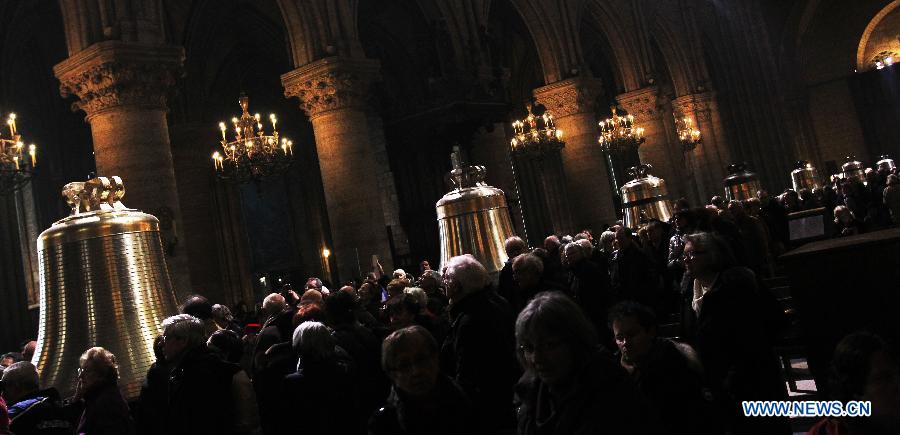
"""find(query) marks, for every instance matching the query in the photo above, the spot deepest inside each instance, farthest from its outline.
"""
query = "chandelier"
(688, 135)
(252, 155)
(535, 135)
(15, 169)
(619, 133)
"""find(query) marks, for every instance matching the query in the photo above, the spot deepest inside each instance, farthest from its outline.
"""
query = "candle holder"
(252, 155)
(17, 160)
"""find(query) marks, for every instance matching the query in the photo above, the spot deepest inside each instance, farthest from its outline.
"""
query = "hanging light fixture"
(17, 160)
(252, 155)
(619, 133)
(535, 135)
(688, 135)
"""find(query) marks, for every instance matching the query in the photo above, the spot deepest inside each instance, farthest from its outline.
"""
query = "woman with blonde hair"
(105, 409)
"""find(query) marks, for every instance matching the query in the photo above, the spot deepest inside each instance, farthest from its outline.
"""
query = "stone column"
(333, 92)
(122, 88)
(571, 102)
(655, 150)
(709, 158)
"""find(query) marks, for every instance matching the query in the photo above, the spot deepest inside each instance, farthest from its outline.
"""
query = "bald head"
(515, 246)
(551, 243)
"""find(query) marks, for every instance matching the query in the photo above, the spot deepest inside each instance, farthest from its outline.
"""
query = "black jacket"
(41, 413)
(600, 400)
(448, 413)
(322, 394)
(479, 354)
(199, 394)
(105, 412)
(732, 339)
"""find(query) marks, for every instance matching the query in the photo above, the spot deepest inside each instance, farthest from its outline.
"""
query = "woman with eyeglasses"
(726, 319)
(105, 409)
(572, 385)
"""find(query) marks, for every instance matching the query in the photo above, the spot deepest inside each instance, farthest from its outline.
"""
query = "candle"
(32, 151)
(272, 118)
(16, 159)
(222, 127)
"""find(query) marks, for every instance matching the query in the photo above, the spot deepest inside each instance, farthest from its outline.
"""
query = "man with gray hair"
(479, 351)
(200, 384)
(31, 410)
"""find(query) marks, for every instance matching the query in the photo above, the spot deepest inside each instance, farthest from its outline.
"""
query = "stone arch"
(862, 52)
(676, 57)
(87, 22)
(626, 67)
(321, 28)
(557, 42)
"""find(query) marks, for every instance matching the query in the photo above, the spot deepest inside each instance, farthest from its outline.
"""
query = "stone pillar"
(333, 92)
(571, 102)
(122, 88)
(656, 150)
(709, 158)
(390, 203)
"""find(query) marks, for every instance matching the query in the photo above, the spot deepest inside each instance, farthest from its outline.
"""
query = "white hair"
(187, 327)
(273, 303)
(313, 339)
(418, 294)
(399, 273)
(467, 271)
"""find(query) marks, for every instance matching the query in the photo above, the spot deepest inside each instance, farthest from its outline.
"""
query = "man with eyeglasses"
(422, 400)
(32, 410)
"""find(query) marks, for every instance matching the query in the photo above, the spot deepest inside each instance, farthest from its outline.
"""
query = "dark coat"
(479, 354)
(448, 413)
(322, 395)
(105, 412)
(600, 400)
(672, 382)
(589, 284)
(731, 338)
(509, 288)
(200, 394)
(41, 413)
(633, 276)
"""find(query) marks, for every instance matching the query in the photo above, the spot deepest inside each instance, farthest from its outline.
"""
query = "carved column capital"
(331, 83)
(113, 74)
(642, 103)
(570, 96)
(698, 104)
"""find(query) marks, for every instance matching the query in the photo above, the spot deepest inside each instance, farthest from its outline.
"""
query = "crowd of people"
(564, 340)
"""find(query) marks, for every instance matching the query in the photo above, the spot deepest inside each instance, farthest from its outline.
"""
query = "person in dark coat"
(775, 217)
(33, 411)
(105, 409)
(364, 349)
(668, 374)
(200, 383)
(507, 285)
(321, 389)
(728, 315)
(632, 274)
(589, 284)
(864, 368)
(422, 400)
(571, 384)
(553, 269)
(478, 352)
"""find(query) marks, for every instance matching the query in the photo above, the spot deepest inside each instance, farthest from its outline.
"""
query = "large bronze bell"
(741, 183)
(645, 198)
(104, 283)
(473, 217)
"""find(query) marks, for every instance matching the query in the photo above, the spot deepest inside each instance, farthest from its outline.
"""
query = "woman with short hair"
(730, 321)
(105, 409)
(571, 384)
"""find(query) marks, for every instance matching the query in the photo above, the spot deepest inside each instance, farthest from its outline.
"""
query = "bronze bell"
(805, 176)
(645, 197)
(741, 183)
(104, 283)
(473, 217)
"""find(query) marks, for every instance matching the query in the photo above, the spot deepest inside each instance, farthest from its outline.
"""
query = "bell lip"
(99, 223)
